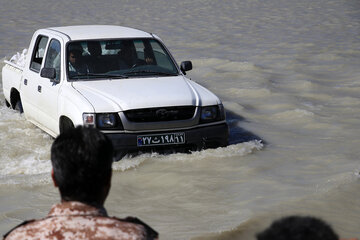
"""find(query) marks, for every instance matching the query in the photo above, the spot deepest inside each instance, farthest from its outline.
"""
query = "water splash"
(235, 150)
(19, 58)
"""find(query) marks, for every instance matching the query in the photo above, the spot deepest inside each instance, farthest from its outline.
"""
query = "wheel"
(18, 106)
(65, 124)
(118, 155)
(7, 103)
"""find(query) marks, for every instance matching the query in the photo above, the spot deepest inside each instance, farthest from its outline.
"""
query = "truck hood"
(135, 93)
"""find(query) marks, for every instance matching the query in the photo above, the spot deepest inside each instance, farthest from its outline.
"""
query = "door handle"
(25, 81)
(39, 89)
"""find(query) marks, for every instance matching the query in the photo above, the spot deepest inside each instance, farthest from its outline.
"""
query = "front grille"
(160, 114)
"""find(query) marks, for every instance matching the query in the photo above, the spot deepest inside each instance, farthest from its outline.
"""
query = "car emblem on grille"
(161, 113)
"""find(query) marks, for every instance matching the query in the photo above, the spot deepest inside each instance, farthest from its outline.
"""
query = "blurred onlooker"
(81, 168)
(298, 228)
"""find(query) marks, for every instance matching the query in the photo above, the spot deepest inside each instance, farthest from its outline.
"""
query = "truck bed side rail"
(14, 65)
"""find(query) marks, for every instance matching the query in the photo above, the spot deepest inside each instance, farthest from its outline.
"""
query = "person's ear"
(53, 177)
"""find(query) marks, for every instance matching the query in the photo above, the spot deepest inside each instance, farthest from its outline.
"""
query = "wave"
(224, 65)
(292, 115)
(235, 150)
(33, 167)
(323, 204)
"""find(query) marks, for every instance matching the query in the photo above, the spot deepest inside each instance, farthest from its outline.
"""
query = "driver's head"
(75, 52)
(74, 56)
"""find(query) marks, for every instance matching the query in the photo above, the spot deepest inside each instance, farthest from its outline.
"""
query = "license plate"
(161, 139)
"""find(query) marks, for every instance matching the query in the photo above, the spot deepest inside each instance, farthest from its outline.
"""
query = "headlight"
(212, 113)
(102, 120)
(108, 121)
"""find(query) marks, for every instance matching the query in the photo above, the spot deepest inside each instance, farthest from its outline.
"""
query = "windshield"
(120, 58)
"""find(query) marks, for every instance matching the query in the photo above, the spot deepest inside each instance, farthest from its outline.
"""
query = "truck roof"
(82, 32)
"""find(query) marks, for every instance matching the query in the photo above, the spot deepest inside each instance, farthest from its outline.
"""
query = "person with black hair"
(76, 62)
(299, 228)
(81, 169)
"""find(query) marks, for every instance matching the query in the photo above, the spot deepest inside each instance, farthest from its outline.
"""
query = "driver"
(76, 65)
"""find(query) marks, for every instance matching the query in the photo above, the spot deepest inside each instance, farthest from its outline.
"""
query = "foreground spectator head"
(82, 167)
(82, 160)
(298, 228)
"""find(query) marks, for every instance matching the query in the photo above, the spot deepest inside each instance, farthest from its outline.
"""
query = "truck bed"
(11, 78)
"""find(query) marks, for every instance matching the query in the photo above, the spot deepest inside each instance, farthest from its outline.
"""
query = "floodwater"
(288, 73)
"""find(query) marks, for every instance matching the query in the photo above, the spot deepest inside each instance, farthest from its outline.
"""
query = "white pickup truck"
(120, 80)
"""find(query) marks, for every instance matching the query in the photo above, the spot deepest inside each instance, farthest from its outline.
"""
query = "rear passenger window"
(53, 57)
(38, 53)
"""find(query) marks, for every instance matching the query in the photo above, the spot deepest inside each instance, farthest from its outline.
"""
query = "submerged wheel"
(18, 106)
(118, 155)
(7, 103)
(65, 124)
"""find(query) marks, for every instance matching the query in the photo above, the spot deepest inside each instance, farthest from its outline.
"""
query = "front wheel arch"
(64, 124)
(15, 101)
(7, 103)
(18, 106)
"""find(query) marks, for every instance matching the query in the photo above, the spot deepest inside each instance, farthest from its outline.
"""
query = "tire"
(65, 124)
(118, 155)
(7, 104)
(19, 107)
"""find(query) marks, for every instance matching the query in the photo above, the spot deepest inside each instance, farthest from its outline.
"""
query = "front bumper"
(198, 138)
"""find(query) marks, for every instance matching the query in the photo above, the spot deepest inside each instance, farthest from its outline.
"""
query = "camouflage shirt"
(75, 220)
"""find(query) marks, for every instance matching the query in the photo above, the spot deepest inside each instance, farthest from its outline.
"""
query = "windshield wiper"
(147, 72)
(104, 75)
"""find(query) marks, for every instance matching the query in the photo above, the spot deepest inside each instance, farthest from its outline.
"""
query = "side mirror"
(185, 66)
(49, 73)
